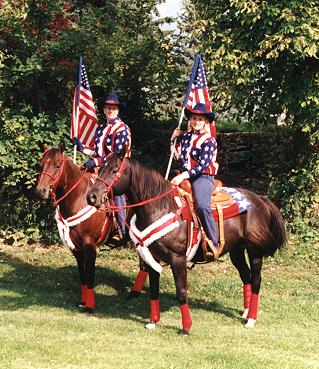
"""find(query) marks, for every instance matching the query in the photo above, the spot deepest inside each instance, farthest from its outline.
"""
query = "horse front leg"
(89, 262)
(178, 265)
(79, 257)
(154, 277)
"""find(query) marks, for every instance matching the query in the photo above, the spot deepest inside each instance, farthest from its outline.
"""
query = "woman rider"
(197, 150)
(110, 136)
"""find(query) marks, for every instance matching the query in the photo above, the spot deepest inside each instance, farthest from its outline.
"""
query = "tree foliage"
(124, 49)
(263, 56)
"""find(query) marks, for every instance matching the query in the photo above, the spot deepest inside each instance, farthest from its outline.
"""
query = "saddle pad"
(239, 206)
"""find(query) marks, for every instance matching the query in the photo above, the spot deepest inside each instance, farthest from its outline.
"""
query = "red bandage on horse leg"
(139, 281)
(83, 293)
(155, 311)
(247, 295)
(90, 300)
(253, 308)
(186, 317)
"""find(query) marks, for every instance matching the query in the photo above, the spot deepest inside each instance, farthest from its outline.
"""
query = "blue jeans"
(120, 201)
(202, 187)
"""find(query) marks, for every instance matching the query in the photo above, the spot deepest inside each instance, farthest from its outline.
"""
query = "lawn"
(41, 326)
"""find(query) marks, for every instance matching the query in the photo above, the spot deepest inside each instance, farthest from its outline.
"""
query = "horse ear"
(42, 147)
(61, 147)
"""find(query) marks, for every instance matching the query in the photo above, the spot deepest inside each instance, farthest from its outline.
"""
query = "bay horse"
(259, 231)
(61, 179)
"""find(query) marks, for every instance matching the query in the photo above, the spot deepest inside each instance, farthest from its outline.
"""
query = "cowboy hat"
(200, 108)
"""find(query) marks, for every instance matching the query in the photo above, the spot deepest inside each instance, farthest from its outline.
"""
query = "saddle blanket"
(239, 206)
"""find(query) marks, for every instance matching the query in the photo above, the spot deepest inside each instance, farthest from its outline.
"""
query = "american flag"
(197, 90)
(84, 119)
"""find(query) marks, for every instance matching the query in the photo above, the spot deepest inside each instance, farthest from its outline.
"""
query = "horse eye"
(114, 171)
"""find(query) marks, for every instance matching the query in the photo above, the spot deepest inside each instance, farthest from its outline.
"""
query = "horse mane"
(53, 152)
(149, 183)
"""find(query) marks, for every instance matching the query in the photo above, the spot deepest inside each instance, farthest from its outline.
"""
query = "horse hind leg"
(237, 256)
(256, 261)
(139, 281)
(154, 277)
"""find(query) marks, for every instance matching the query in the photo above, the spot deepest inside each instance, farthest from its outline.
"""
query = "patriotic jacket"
(197, 152)
(110, 137)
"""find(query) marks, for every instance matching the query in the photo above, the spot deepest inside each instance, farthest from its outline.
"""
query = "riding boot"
(208, 255)
(212, 249)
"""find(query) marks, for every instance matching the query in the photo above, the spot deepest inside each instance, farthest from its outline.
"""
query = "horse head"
(51, 165)
(113, 179)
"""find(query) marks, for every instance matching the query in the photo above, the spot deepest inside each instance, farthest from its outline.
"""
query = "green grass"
(41, 327)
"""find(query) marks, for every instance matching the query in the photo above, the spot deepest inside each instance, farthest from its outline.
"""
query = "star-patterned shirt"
(111, 137)
(197, 152)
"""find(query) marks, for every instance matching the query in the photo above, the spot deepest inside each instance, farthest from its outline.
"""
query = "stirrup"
(213, 253)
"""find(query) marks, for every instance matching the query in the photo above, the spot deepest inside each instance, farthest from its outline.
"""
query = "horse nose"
(91, 199)
(42, 192)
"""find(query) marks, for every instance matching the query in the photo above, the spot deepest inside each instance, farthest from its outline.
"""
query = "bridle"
(56, 180)
(109, 186)
(108, 192)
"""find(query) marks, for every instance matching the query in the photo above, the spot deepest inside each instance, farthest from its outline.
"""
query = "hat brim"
(111, 102)
(210, 116)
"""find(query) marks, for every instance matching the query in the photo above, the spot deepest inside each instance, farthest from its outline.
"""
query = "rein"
(109, 189)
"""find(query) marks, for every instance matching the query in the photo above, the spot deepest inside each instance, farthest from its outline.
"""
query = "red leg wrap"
(139, 281)
(253, 308)
(155, 311)
(90, 300)
(247, 295)
(83, 296)
(186, 317)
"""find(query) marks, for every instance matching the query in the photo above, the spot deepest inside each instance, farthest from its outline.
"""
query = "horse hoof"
(250, 323)
(245, 313)
(150, 326)
(88, 310)
(132, 295)
(185, 332)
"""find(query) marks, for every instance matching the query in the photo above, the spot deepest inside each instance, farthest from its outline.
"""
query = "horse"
(259, 231)
(81, 226)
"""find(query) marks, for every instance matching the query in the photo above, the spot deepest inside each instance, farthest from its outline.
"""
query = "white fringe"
(143, 250)
(65, 224)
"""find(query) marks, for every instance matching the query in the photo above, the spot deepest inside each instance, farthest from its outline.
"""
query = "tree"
(124, 49)
(264, 58)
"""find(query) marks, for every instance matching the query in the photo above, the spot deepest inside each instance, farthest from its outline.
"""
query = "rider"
(197, 149)
(110, 136)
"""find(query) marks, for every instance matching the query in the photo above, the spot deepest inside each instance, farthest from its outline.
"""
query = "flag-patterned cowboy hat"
(111, 99)
(200, 108)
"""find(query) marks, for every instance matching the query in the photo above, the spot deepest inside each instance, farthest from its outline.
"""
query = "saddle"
(219, 200)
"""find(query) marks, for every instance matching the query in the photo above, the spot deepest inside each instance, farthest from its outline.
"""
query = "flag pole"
(189, 86)
(174, 143)
(77, 110)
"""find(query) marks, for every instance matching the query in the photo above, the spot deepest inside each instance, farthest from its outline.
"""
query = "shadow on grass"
(26, 285)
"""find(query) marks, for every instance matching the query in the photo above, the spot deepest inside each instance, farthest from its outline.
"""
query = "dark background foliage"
(261, 63)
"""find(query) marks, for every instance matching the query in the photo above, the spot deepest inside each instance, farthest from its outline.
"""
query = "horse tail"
(277, 230)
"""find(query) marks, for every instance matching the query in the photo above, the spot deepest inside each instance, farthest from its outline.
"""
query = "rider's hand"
(89, 165)
(180, 178)
(78, 143)
(177, 132)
